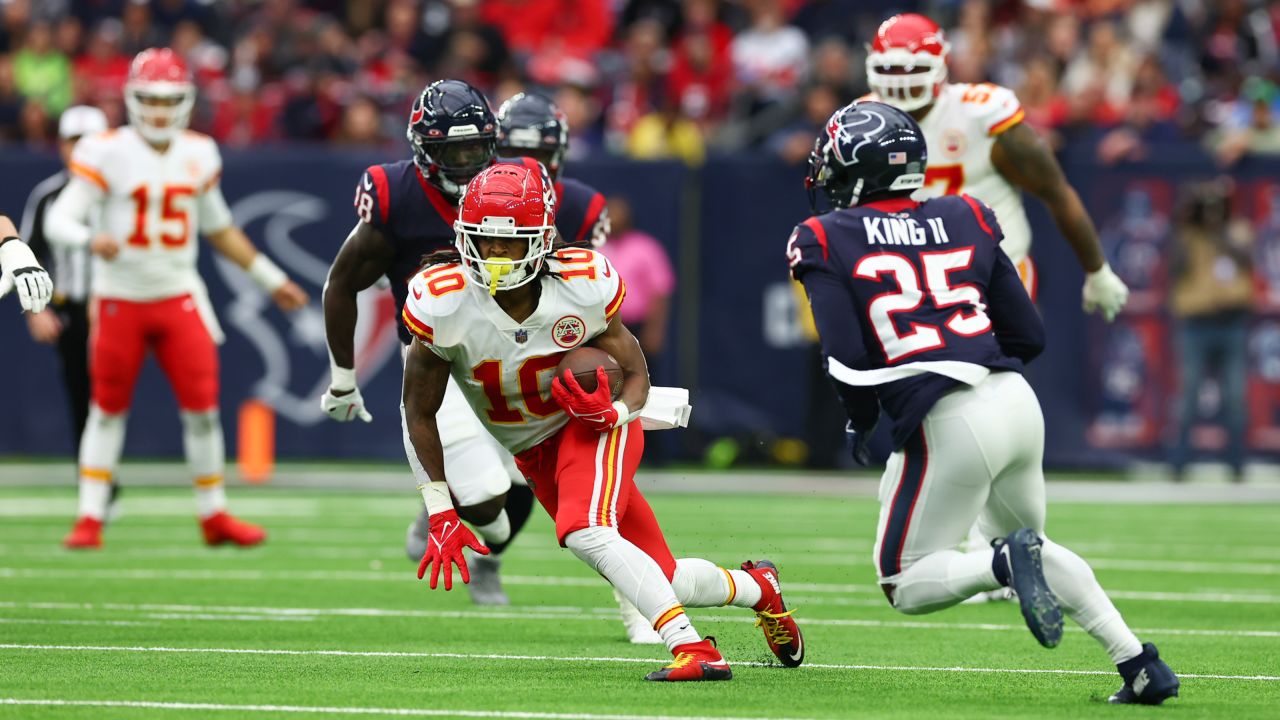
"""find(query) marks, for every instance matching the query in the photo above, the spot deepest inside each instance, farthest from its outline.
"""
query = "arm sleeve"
(834, 315)
(215, 215)
(1018, 327)
(65, 221)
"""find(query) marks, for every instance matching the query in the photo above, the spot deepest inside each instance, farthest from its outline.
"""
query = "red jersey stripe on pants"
(587, 479)
(124, 330)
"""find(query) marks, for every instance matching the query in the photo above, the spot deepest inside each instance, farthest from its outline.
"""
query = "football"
(582, 362)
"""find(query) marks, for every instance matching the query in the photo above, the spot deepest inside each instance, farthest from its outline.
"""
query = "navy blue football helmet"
(453, 134)
(868, 151)
(531, 125)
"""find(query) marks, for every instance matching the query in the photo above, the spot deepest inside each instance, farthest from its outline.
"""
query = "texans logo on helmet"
(854, 119)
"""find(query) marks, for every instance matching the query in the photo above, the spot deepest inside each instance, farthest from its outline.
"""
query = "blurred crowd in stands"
(653, 78)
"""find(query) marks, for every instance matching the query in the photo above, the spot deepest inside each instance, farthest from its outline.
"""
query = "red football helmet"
(159, 94)
(907, 62)
(514, 203)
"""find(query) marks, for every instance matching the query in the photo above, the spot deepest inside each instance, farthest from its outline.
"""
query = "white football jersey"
(153, 204)
(504, 367)
(961, 129)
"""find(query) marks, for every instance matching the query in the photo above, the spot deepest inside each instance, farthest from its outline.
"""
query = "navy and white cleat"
(1147, 680)
(1017, 565)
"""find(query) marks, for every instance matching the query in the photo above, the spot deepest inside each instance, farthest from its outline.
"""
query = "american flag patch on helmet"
(897, 158)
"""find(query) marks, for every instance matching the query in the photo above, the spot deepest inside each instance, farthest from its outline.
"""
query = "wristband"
(436, 496)
(341, 378)
(624, 413)
(267, 274)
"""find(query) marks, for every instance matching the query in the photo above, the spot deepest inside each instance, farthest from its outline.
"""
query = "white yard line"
(1241, 596)
(541, 614)
(322, 710)
(46, 621)
(574, 659)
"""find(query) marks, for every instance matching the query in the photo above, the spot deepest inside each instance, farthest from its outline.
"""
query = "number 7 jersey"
(504, 367)
(153, 204)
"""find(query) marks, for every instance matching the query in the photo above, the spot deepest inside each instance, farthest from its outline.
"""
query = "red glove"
(444, 547)
(594, 409)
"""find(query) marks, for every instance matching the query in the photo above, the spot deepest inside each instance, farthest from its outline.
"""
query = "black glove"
(859, 443)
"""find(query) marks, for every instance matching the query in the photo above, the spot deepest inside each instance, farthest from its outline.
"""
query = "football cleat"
(1147, 679)
(1017, 565)
(694, 662)
(86, 534)
(415, 542)
(222, 527)
(485, 586)
(639, 630)
(772, 616)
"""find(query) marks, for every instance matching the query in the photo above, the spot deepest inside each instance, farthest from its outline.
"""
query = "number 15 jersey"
(504, 367)
(153, 204)
(914, 298)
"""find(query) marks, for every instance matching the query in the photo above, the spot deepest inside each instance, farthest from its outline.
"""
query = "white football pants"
(477, 467)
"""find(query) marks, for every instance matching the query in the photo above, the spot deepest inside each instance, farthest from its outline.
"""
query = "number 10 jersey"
(504, 367)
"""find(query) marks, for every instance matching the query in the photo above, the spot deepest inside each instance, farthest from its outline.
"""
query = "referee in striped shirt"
(64, 323)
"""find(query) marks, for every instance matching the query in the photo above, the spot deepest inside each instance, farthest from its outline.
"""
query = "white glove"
(1104, 291)
(33, 283)
(344, 408)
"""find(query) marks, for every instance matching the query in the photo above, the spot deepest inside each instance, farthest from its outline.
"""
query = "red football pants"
(124, 330)
(587, 479)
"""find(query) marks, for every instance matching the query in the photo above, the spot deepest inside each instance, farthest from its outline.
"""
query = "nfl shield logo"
(522, 335)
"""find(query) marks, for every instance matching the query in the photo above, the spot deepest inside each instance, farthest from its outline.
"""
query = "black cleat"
(1147, 680)
(1023, 571)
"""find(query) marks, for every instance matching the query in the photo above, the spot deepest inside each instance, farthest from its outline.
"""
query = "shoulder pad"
(994, 107)
(589, 279)
(435, 294)
(807, 247)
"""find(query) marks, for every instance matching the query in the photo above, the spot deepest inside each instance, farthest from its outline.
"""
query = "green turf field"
(328, 618)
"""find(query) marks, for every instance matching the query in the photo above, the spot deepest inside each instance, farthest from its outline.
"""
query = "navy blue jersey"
(412, 214)
(910, 298)
(581, 215)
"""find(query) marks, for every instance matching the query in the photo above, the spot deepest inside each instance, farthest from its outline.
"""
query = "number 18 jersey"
(504, 367)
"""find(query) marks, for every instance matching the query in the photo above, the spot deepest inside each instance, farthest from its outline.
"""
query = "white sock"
(498, 531)
(942, 579)
(1084, 600)
(202, 443)
(638, 578)
(702, 583)
(100, 449)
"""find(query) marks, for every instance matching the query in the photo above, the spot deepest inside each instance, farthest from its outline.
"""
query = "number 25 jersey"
(504, 367)
(913, 298)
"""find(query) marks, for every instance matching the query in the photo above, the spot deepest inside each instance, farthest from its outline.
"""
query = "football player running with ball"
(497, 315)
(922, 313)
(155, 185)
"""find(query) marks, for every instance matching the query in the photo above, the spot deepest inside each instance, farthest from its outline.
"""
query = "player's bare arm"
(618, 341)
(234, 245)
(1023, 158)
(362, 259)
(426, 376)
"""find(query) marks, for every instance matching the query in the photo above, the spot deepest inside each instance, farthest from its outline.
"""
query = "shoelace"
(773, 626)
(681, 660)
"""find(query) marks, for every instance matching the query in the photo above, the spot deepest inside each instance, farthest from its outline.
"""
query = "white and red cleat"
(772, 616)
(694, 662)
(86, 534)
(222, 528)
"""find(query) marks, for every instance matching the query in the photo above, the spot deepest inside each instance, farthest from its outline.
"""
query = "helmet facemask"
(159, 110)
(452, 163)
(500, 273)
(906, 80)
